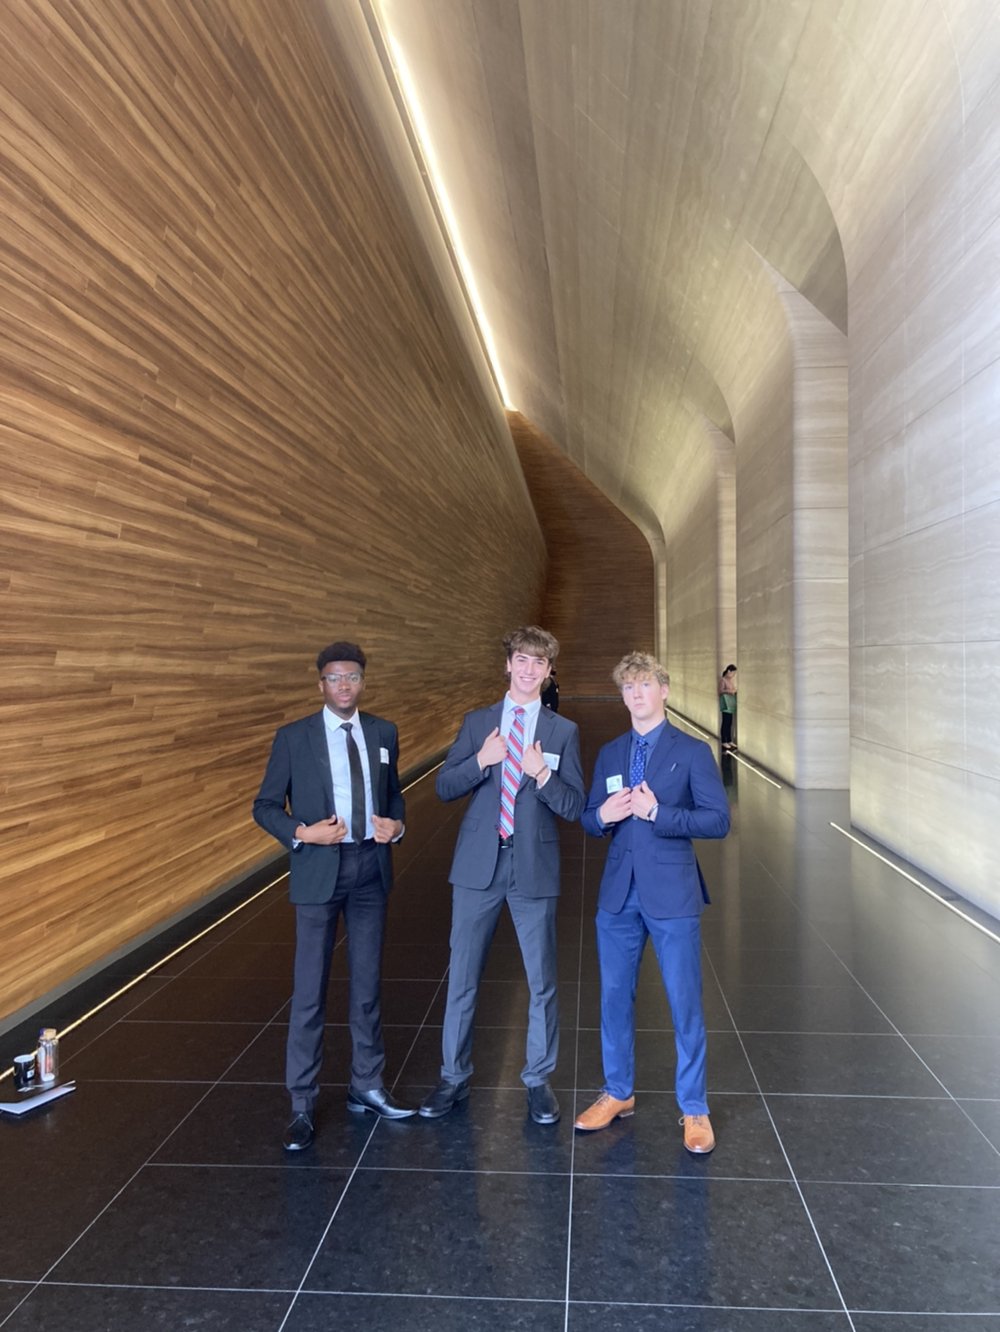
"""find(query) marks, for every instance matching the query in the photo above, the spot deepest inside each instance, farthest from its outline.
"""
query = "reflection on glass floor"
(854, 1074)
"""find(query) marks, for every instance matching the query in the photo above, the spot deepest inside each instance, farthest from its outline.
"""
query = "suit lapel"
(661, 753)
(494, 716)
(321, 753)
(544, 726)
(369, 729)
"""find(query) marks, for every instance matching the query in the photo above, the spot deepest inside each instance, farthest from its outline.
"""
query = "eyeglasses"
(352, 677)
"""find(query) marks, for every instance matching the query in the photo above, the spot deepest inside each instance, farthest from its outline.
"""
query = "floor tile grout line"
(576, 1086)
(569, 1172)
(358, 1163)
(135, 1174)
(326, 1229)
(166, 979)
(767, 1098)
(895, 1030)
(872, 1000)
(337, 1293)
(356, 1168)
(794, 1178)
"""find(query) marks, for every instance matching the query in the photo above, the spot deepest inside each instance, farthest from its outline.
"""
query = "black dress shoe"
(379, 1102)
(542, 1104)
(299, 1134)
(444, 1097)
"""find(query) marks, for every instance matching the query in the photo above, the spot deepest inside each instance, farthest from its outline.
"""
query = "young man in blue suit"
(654, 789)
(331, 795)
(520, 765)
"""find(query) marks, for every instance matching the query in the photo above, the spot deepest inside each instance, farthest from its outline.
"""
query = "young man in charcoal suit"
(519, 764)
(331, 795)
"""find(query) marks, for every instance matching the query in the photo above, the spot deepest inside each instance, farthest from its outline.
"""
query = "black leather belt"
(357, 846)
(506, 842)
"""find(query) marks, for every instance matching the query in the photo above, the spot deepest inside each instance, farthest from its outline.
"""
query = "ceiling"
(623, 172)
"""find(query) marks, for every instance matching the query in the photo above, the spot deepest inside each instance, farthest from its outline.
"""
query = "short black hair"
(728, 669)
(341, 652)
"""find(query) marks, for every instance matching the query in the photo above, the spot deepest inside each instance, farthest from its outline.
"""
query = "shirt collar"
(530, 709)
(650, 737)
(334, 723)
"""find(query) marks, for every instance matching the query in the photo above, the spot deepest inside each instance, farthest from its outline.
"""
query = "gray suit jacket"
(298, 788)
(536, 835)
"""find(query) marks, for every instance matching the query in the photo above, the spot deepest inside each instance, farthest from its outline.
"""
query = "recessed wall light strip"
(124, 989)
(692, 726)
(970, 920)
(404, 91)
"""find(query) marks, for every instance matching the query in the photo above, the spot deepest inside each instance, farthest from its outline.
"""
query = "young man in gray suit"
(520, 764)
(337, 806)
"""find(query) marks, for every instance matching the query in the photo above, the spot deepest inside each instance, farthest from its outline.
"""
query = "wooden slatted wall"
(600, 589)
(236, 421)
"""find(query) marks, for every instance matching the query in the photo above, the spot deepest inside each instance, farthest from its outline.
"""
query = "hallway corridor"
(854, 1078)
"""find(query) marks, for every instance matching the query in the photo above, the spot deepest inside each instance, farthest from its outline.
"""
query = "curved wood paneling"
(236, 421)
(599, 589)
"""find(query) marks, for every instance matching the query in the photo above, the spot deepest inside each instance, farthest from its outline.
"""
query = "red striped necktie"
(510, 778)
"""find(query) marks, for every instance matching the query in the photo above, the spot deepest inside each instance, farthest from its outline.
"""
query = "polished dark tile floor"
(854, 1073)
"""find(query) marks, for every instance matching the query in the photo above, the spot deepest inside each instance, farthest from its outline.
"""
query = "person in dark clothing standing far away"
(520, 764)
(331, 794)
(654, 789)
(550, 691)
(727, 705)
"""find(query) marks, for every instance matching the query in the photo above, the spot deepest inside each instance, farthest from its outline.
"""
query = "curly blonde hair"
(636, 664)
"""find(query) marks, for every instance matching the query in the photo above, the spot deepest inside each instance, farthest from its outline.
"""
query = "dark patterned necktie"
(359, 821)
(638, 770)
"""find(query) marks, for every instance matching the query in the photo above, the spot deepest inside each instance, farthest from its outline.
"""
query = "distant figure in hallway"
(520, 764)
(727, 706)
(550, 691)
(337, 806)
(654, 789)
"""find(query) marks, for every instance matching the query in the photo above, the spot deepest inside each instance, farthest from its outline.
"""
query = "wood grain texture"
(236, 422)
(599, 593)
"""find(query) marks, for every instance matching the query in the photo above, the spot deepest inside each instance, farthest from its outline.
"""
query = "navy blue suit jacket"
(683, 775)
(298, 788)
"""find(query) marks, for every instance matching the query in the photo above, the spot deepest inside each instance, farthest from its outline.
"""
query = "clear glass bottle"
(48, 1054)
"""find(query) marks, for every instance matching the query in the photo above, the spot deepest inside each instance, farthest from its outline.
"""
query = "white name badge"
(384, 755)
(551, 761)
(614, 784)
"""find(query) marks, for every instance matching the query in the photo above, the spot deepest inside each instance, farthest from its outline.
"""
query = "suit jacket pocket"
(679, 854)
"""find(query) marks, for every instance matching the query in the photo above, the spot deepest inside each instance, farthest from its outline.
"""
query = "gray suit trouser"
(474, 917)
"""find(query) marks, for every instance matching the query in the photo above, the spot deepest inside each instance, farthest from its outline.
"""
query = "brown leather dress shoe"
(605, 1109)
(698, 1136)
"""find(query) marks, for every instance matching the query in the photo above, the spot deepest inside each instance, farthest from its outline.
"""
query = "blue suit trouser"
(621, 940)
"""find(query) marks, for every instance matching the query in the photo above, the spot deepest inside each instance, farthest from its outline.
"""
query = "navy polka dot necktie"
(638, 770)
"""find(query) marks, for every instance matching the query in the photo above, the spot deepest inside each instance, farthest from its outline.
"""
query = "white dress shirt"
(340, 768)
(531, 711)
